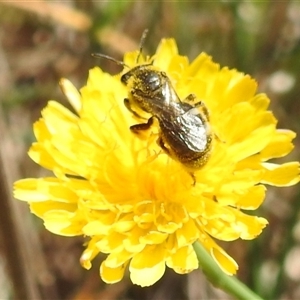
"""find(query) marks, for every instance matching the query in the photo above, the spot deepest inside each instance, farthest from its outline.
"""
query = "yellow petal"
(153, 237)
(147, 276)
(184, 260)
(225, 262)
(43, 189)
(118, 259)
(71, 93)
(111, 275)
(166, 50)
(63, 222)
(88, 254)
(281, 175)
(280, 144)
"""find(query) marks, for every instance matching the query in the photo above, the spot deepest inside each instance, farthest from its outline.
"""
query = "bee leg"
(162, 145)
(128, 106)
(191, 98)
(203, 109)
(193, 177)
(142, 126)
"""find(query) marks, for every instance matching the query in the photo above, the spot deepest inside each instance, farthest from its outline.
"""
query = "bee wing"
(169, 95)
(193, 131)
(187, 128)
(164, 102)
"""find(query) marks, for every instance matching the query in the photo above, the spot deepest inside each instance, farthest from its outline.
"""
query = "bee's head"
(144, 80)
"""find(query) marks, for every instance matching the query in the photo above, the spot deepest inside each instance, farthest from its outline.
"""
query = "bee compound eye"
(125, 77)
(152, 81)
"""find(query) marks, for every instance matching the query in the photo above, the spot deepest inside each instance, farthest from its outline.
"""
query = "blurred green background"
(43, 41)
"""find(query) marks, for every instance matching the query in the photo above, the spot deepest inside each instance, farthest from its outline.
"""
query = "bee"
(184, 131)
(184, 127)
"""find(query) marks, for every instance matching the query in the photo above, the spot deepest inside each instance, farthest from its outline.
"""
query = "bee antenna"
(144, 35)
(118, 62)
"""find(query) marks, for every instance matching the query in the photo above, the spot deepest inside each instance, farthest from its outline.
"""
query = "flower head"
(129, 197)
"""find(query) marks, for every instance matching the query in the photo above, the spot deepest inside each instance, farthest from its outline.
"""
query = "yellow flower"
(134, 202)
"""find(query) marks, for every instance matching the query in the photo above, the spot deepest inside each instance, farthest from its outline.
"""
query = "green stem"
(218, 278)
